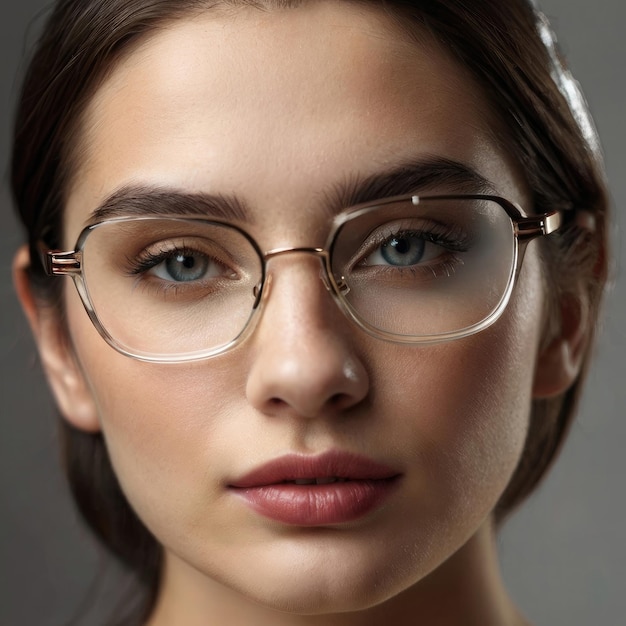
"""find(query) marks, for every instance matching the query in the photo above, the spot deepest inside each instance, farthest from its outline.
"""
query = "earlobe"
(66, 380)
(560, 361)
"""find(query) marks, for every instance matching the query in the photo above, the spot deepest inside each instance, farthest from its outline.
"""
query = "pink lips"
(331, 488)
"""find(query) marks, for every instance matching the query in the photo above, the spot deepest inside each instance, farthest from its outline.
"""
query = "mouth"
(332, 488)
(327, 480)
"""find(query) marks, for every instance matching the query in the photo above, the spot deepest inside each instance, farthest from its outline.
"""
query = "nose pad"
(262, 294)
(338, 284)
(324, 278)
(342, 286)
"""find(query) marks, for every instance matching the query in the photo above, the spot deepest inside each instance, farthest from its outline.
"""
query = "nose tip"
(307, 384)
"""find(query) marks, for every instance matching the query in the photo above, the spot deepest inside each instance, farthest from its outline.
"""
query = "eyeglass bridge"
(321, 254)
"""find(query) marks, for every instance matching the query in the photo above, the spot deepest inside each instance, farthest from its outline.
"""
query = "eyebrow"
(131, 201)
(409, 177)
(434, 174)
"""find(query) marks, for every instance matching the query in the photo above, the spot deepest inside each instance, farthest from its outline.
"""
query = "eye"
(403, 250)
(179, 264)
(185, 266)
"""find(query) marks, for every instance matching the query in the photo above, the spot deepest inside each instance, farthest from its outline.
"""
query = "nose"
(305, 363)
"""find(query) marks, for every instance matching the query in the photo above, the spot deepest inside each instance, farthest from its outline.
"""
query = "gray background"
(563, 554)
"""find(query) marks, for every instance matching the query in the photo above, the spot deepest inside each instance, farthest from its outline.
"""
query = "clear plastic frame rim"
(523, 228)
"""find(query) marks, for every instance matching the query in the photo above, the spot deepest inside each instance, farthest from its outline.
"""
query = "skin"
(195, 107)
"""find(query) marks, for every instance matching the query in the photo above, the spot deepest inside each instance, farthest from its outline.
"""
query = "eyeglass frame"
(525, 229)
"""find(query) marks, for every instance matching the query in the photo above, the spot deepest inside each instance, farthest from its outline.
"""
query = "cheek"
(468, 421)
(163, 424)
(466, 404)
(164, 427)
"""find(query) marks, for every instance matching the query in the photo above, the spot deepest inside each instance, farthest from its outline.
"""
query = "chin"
(314, 590)
(311, 600)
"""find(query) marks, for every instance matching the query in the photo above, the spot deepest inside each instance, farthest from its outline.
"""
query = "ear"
(559, 362)
(64, 375)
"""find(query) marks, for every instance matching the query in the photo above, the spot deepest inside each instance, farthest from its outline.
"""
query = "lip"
(271, 490)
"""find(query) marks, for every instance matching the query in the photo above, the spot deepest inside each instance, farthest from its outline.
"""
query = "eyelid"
(196, 242)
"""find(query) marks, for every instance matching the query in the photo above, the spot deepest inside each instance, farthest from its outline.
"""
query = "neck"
(467, 589)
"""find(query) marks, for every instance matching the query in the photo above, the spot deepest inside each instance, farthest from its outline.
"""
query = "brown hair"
(505, 46)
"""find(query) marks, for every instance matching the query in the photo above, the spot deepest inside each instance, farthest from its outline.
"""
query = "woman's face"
(280, 109)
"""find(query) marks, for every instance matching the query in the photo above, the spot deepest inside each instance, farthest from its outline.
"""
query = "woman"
(338, 267)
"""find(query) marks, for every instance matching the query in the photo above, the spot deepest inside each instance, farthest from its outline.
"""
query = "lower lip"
(318, 505)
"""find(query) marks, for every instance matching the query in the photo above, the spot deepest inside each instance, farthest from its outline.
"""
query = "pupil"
(400, 245)
(186, 267)
(403, 251)
(187, 261)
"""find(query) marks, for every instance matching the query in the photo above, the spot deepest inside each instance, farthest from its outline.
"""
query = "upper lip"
(331, 464)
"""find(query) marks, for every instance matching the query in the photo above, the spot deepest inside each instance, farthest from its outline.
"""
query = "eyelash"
(453, 239)
(448, 237)
(140, 266)
(148, 260)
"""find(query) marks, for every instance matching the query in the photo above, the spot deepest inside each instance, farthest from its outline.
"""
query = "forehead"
(276, 105)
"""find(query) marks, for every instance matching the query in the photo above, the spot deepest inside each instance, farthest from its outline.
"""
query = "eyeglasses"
(410, 269)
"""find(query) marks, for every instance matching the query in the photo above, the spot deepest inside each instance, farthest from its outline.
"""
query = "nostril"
(337, 400)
